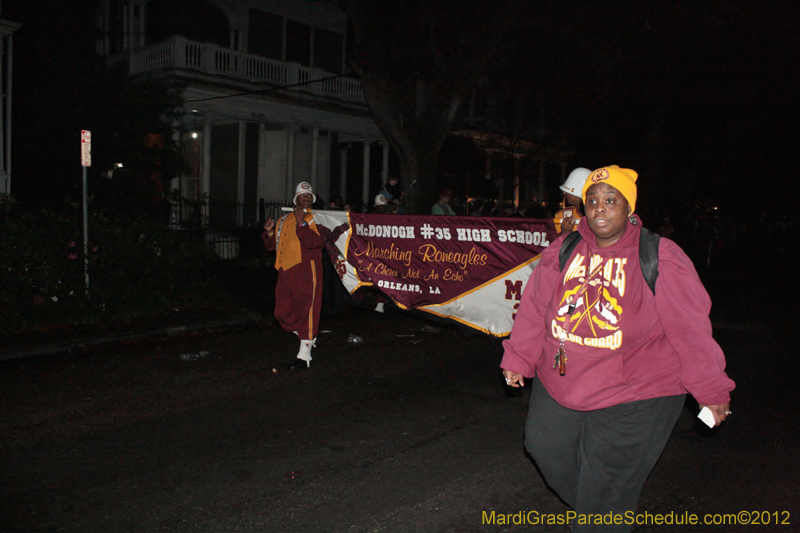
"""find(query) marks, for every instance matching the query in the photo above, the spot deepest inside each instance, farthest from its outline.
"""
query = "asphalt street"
(410, 431)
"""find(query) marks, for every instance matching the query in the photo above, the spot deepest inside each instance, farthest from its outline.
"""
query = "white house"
(267, 102)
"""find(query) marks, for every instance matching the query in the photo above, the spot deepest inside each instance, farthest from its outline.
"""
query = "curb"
(57, 348)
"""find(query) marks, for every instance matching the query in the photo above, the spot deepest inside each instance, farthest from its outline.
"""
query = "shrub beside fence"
(136, 268)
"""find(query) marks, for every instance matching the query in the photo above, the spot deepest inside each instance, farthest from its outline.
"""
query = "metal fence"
(232, 231)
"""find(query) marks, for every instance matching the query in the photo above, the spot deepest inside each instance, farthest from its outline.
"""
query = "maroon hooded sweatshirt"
(623, 343)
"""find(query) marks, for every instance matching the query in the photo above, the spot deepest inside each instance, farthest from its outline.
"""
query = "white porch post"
(385, 167)
(291, 132)
(343, 172)
(7, 133)
(5, 119)
(176, 182)
(262, 166)
(240, 174)
(314, 158)
(206, 170)
(365, 175)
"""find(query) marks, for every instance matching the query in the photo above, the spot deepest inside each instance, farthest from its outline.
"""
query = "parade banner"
(469, 269)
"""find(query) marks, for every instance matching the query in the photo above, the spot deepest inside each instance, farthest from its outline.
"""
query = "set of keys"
(561, 361)
(561, 354)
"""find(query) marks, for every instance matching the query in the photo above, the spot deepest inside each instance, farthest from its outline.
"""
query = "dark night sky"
(723, 73)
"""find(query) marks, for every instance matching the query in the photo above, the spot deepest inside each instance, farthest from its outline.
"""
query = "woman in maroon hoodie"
(610, 358)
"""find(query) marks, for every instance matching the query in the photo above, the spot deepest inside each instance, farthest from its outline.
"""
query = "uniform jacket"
(313, 239)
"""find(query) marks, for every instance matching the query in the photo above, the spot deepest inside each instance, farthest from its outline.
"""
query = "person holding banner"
(442, 206)
(298, 243)
(610, 358)
(382, 207)
(566, 220)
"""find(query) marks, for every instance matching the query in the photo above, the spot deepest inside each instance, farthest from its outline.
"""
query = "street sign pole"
(86, 162)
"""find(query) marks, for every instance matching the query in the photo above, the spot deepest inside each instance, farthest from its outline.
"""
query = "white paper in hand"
(706, 416)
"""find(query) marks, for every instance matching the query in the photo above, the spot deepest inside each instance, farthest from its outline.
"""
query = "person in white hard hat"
(381, 205)
(298, 243)
(567, 219)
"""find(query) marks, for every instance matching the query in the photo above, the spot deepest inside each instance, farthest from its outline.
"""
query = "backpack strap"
(648, 256)
(567, 246)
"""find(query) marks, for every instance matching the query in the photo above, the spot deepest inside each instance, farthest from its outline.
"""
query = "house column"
(7, 30)
(314, 158)
(291, 132)
(365, 174)
(385, 167)
(205, 187)
(240, 173)
(343, 172)
(5, 122)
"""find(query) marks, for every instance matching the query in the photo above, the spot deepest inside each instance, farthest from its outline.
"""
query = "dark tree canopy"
(61, 86)
(417, 62)
(688, 93)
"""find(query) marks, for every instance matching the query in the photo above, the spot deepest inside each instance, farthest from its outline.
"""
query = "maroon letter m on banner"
(513, 290)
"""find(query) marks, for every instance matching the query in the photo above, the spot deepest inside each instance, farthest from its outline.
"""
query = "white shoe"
(379, 307)
(303, 361)
(305, 351)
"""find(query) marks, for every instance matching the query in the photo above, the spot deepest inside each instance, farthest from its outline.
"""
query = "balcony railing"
(182, 54)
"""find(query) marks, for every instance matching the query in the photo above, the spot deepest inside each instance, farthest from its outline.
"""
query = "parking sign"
(86, 148)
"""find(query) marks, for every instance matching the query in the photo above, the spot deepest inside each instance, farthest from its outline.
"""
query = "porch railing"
(182, 54)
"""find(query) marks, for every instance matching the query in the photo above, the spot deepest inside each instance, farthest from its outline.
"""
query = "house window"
(265, 34)
(328, 50)
(196, 20)
(298, 42)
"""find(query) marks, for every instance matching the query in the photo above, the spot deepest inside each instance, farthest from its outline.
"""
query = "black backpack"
(648, 254)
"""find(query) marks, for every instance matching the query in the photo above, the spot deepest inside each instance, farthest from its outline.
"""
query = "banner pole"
(85, 233)
(86, 161)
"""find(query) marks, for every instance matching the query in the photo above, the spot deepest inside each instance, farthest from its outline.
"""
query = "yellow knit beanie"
(622, 179)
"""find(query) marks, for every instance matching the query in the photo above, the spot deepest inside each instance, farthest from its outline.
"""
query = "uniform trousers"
(298, 299)
(598, 461)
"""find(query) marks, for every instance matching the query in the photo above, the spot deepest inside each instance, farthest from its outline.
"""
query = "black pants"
(598, 461)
